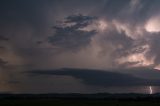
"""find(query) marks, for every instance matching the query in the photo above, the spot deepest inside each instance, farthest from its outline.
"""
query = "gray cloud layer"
(98, 77)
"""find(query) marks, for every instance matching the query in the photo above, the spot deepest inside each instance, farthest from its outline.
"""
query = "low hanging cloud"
(97, 77)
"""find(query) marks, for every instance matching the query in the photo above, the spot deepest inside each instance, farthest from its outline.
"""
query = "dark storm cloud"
(80, 20)
(70, 35)
(96, 77)
(30, 38)
(34, 13)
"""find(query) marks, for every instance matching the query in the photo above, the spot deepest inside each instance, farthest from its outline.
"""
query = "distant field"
(44, 102)
(103, 99)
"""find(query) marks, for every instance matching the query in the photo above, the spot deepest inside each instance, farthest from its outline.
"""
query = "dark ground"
(80, 100)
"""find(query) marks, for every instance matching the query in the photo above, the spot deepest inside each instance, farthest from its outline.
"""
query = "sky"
(79, 46)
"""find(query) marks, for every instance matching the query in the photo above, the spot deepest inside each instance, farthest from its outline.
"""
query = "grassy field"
(44, 102)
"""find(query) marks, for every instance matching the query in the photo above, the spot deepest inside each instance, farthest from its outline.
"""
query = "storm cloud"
(70, 35)
(110, 30)
(107, 35)
(97, 77)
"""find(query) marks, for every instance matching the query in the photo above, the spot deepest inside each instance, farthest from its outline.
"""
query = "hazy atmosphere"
(79, 46)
